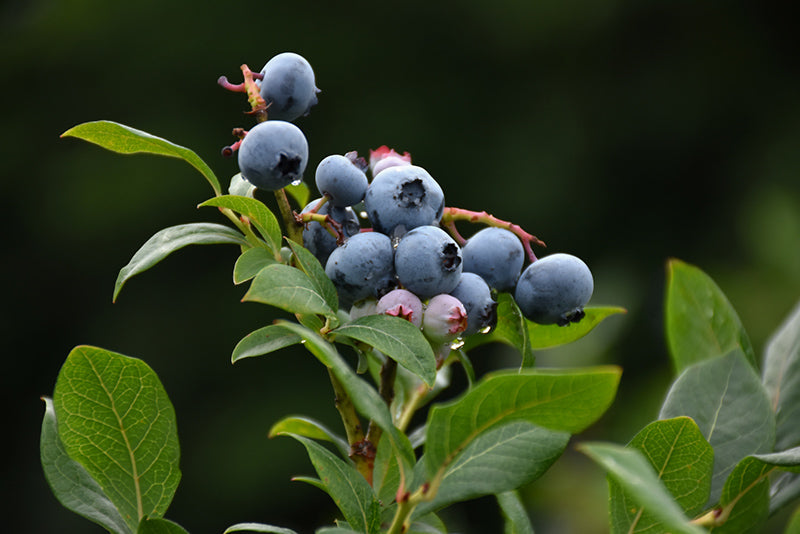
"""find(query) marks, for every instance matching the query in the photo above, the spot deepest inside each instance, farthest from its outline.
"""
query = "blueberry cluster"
(378, 230)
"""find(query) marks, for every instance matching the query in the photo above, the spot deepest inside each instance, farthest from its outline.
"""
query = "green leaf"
(126, 140)
(514, 513)
(633, 473)
(497, 460)
(725, 398)
(160, 526)
(782, 380)
(241, 187)
(250, 262)
(549, 336)
(398, 339)
(71, 484)
(337, 530)
(309, 428)
(299, 193)
(683, 461)
(560, 400)
(793, 527)
(258, 527)
(347, 487)
(386, 474)
(288, 288)
(310, 265)
(700, 322)
(255, 210)
(168, 240)
(116, 420)
(264, 341)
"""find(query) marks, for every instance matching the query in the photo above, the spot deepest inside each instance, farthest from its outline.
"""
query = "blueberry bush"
(379, 285)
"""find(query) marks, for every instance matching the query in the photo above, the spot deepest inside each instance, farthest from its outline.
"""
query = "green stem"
(293, 228)
(352, 426)
(386, 390)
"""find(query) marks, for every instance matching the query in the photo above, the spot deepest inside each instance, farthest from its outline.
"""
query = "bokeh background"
(626, 133)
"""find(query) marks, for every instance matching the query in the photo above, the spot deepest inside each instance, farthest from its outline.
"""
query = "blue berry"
(554, 290)
(339, 179)
(273, 154)
(401, 303)
(445, 319)
(496, 255)
(427, 260)
(401, 198)
(288, 87)
(316, 237)
(476, 296)
(362, 267)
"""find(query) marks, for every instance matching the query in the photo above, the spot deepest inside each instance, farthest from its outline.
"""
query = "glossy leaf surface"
(782, 380)
(290, 289)
(255, 210)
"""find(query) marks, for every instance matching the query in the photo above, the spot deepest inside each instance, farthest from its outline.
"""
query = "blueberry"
(401, 198)
(427, 261)
(362, 267)
(401, 303)
(476, 296)
(288, 87)
(445, 319)
(496, 254)
(554, 289)
(341, 181)
(273, 154)
(316, 237)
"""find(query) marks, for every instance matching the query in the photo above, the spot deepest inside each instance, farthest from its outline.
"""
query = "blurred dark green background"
(623, 132)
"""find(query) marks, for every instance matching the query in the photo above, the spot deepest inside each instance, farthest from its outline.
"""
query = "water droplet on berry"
(297, 182)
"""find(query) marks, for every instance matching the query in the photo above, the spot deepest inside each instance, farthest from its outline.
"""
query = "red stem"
(458, 214)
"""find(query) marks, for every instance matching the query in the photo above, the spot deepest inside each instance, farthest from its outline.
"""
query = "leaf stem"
(361, 452)
(388, 375)
(293, 228)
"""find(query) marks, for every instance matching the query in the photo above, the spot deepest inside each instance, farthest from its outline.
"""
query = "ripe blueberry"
(554, 289)
(273, 154)
(317, 239)
(341, 181)
(496, 255)
(362, 267)
(476, 296)
(427, 261)
(288, 87)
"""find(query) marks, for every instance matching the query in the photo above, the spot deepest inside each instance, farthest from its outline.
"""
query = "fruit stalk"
(458, 214)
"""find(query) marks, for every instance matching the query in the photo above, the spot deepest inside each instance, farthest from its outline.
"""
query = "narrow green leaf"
(300, 193)
(250, 262)
(386, 474)
(514, 513)
(256, 211)
(630, 469)
(347, 487)
(288, 288)
(258, 527)
(71, 484)
(396, 338)
(725, 398)
(264, 341)
(160, 526)
(700, 322)
(559, 400)
(793, 527)
(126, 140)
(782, 380)
(309, 428)
(683, 461)
(168, 240)
(310, 265)
(336, 530)
(116, 420)
(500, 459)
(549, 336)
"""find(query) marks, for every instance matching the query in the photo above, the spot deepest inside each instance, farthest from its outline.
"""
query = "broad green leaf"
(746, 496)
(725, 398)
(633, 473)
(782, 380)
(116, 420)
(241, 187)
(514, 513)
(255, 210)
(386, 473)
(288, 288)
(71, 484)
(250, 262)
(549, 336)
(559, 400)
(396, 338)
(785, 490)
(160, 526)
(700, 322)
(364, 397)
(347, 487)
(126, 140)
(309, 428)
(258, 527)
(310, 265)
(683, 461)
(263, 341)
(300, 193)
(429, 524)
(793, 527)
(336, 530)
(500, 459)
(168, 240)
